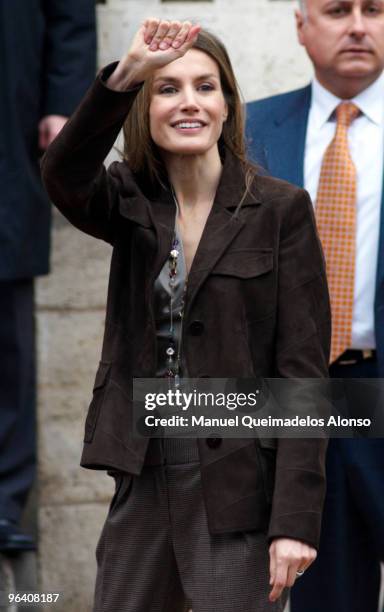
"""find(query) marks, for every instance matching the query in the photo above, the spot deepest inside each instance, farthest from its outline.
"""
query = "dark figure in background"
(47, 60)
(293, 135)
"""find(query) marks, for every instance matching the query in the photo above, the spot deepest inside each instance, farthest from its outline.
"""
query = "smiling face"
(187, 108)
(345, 41)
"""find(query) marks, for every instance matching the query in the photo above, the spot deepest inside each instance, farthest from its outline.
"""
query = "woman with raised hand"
(216, 272)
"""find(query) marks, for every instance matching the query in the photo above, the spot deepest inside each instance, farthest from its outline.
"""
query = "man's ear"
(300, 23)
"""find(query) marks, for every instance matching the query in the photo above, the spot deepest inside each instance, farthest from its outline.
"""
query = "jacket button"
(214, 442)
(196, 328)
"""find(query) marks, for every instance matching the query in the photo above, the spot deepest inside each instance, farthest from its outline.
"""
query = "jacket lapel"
(163, 214)
(285, 143)
(155, 211)
(136, 209)
(222, 225)
(284, 152)
(221, 228)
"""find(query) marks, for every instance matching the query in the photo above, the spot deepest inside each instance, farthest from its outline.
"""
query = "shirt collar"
(370, 101)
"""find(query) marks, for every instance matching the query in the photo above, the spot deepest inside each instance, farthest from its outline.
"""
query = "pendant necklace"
(173, 350)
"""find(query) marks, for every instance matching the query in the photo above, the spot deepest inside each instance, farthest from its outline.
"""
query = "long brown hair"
(140, 151)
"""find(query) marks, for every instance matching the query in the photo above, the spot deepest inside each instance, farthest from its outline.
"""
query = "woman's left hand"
(286, 557)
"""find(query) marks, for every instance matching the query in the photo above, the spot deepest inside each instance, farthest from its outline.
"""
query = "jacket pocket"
(118, 478)
(245, 283)
(99, 388)
(245, 263)
(123, 486)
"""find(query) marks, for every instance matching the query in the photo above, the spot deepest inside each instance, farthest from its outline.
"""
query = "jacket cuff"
(106, 72)
(301, 516)
(117, 102)
(303, 526)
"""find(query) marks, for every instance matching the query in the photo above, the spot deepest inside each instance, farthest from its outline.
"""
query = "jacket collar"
(293, 106)
(232, 185)
(284, 150)
(222, 226)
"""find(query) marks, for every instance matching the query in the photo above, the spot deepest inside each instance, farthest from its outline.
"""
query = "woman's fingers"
(272, 563)
(308, 556)
(151, 26)
(162, 34)
(193, 32)
(291, 574)
(182, 34)
(287, 557)
(187, 38)
(280, 580)
(155, 44)
(173, 31)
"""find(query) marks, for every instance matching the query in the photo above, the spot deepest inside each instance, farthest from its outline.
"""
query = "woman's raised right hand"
(156, 44)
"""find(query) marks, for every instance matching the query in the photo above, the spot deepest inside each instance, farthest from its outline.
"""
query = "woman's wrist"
(127, 74)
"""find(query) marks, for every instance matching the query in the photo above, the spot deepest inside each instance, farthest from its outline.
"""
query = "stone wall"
(260, 37)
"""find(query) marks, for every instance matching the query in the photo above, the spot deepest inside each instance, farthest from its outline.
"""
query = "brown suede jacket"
(257, 305)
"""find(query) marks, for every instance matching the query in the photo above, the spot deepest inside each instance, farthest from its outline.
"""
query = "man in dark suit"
(47, 61)
(302, 136)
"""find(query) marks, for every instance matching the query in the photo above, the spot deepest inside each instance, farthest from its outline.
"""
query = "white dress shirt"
(366, 146)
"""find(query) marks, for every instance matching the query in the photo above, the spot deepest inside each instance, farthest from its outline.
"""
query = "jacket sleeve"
(302, 351)
(69, 54)
(72, 168)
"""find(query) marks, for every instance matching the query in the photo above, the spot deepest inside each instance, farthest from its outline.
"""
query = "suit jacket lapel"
(285, 158)
(285, 143)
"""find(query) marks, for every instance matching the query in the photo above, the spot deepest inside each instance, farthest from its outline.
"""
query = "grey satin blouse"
(162, 309)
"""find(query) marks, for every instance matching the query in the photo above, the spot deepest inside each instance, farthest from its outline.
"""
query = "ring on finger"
(299, 573)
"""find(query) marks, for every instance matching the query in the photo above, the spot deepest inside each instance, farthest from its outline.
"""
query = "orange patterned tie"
(336, 223)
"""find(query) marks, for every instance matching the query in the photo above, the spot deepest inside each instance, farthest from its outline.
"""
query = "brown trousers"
(155, 553)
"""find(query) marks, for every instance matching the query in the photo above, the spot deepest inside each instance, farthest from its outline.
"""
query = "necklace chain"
(173, 355)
